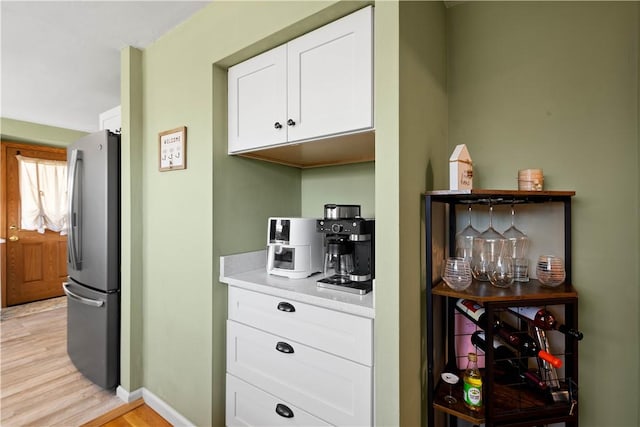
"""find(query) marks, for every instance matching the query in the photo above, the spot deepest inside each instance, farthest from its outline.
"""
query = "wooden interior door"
(35, 264)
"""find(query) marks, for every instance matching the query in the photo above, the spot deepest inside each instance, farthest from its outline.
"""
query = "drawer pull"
(284, 411)
(283, 347)
(285, 306)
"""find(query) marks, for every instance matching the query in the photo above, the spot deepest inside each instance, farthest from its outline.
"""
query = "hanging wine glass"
(464, 239)
(487, 247)
(517, 249)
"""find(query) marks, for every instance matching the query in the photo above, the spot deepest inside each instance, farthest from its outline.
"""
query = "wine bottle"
(473, 311)
(519, 340)
(472, 384)
(544, 319)
(523, 342)
(507, 362)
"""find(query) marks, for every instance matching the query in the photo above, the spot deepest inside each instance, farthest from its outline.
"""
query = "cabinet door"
(257, 101)
(330, 73)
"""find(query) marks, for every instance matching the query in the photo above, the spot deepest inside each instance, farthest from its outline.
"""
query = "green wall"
(516, 93)
(555, 86)
(131, 322)
(20, 131)
(387, 321)
(351, 184)
(424, 165)
(217, 206)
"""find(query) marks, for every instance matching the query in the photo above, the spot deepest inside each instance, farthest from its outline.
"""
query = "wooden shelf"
(485, 292)
(337, 150)
(511, 400)
(507, 195)
(458, 409)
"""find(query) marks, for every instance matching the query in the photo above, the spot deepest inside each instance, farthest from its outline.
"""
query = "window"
(43, 194)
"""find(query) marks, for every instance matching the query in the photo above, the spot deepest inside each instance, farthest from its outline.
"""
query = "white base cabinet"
(288, 354)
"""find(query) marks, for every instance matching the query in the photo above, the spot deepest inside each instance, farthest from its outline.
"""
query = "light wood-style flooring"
(39, 386)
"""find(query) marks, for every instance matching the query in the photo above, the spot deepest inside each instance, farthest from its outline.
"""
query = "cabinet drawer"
(339, 333)
(327, 386)
(247, 405)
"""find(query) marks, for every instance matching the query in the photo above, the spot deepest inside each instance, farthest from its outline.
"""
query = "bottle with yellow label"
(472, 384)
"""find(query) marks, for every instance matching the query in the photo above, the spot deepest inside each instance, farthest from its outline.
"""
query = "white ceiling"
(60, 60)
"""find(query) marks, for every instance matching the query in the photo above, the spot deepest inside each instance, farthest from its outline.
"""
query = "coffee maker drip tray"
(344, 284)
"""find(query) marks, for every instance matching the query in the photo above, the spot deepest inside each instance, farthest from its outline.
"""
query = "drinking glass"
(450, 379)
(518, 245)
(550, 271)
(464, 239)
(457, 273)
(501, 272)
(487, 247)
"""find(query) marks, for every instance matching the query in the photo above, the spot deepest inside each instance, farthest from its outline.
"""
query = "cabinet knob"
(283, 347)
(284, 411)
(286, 307)
(277, 125)
(290, 122)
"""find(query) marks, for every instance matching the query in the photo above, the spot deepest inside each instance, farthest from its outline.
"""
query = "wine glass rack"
(505, 402)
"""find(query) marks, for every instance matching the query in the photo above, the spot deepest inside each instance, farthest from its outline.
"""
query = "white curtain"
(43, 194)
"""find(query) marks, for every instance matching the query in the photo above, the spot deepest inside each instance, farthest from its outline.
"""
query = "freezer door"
(94, 211)
(93, 327)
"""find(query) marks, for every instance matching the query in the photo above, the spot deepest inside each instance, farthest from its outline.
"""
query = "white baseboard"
(160, 406)
(127, 397)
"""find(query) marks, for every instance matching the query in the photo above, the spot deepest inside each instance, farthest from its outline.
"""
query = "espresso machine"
(294, 248)
(349, 247)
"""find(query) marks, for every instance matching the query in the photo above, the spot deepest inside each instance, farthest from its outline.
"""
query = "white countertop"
(248, 271)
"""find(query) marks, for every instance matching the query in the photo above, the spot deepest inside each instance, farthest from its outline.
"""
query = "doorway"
(34, 264)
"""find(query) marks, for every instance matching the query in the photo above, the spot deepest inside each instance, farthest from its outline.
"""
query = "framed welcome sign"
(173, 149)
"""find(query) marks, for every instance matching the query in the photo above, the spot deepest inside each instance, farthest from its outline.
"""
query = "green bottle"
(472, 384)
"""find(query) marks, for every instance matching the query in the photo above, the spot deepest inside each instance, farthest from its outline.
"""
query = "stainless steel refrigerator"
(93, 253)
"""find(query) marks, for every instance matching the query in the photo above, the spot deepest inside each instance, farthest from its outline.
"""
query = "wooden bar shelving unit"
(511, 404)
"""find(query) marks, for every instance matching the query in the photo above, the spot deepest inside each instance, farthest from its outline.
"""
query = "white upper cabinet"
(316, 86)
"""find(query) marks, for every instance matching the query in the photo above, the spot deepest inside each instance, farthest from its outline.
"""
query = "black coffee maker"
(349, 249)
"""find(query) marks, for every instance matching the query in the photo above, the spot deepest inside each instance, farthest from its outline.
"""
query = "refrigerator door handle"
(74, 217)
(83, 300)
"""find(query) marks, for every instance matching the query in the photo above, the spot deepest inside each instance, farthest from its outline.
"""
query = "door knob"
(14, 238)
